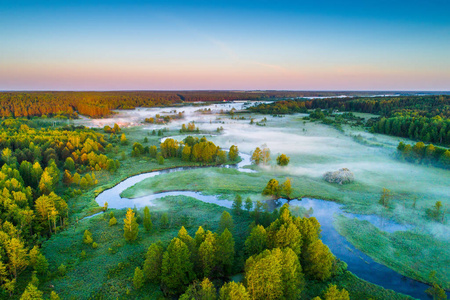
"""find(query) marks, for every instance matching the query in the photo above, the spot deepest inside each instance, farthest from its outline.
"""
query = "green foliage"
(248, 204)
(87, 237)
(31, 293)
(233, 291)
(62, 270)
(177, 269)
(148, 225)
(164, 221)
(237, 205)
(333, 293)
(153, 263)
(200, 291)
(318, 261)
(282, 160)
(272, 188)
(138, 278)
(256, 242)
(226, 222)
(112, 221)
(233, 154)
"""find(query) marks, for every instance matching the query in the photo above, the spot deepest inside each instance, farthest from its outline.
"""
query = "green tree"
(226, 221)
(248, 204)
(177, 269)
(123, 139)
(130, 226)
(257, 156)
(286, 188)
(138, 278)
(69, 164)
(87, 237)
(282, 160)
(256, 242)
(148, 225)
(318, 261)
(237, 205)
(233, 291)
(41, 265)
(233, 154)
(385, 197)
(164, 221)
(112, 221)
(200, 291)
(153, 262)
(17, 255)
(31, 293)
(225, 252)
(333, 293)
(272, 188)
(207, 254)
(437, 292)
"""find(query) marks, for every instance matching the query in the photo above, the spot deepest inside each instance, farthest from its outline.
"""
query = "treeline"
(100, 104)
(425, 154)
(279, 260)
(197, 150)
(281, 107)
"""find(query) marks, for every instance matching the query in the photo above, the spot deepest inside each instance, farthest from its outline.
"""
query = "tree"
(123, 139)
(233, 154)
(286, 188)
(265, 155)
(256, 242)
(54, 296)
(69, 164)
(46, 183)
(41, 265)
(87, 237)
(148, 225)
(31, 293)
(274, 274)
(436, 292)
(282, 160)
(237, 205)
(435, 212)
(17, 255)
(207, 254)
(186, 153)
(153, 262)
(233, 291)
(200, 291)
(333, 293)
(164, 220)
(225, 252)
(138, 278)
(257, 156)
(112, 221)
(130, 226)
(226, 221)
(177, 269)
(248, 204)
(318, 261)
(272, 188)
(385, 197)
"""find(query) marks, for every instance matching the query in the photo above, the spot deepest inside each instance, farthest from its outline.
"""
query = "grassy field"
(416, 255)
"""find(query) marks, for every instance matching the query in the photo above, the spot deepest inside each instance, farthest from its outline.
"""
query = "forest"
(100, 104)
(421, 118)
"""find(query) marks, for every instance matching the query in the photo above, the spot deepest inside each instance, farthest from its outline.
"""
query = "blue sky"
(298, 45)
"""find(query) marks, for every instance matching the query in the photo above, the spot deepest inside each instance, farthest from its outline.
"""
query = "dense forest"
(41, 170)
(100, 104)
(422, 118)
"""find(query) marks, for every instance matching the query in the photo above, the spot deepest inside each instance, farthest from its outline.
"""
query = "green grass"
(412, 254)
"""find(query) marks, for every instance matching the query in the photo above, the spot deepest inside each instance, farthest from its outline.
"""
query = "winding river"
(358, 263)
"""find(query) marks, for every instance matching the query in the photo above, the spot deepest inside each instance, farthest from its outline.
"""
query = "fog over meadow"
(313, 149)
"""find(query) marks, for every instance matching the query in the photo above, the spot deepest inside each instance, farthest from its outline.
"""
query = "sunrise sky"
(190, 45)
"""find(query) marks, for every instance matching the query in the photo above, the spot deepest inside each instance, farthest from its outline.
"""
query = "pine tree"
(31, 293)
(248, 204)
(233, 291)
(87, 237)
(153, 262)
(256, 242)
(130, 226)
(318, 261)
(207, 254)
(237, 205)
(138, 279)
(225, 251)
(226, 221)
(148, 225)
(177, 269)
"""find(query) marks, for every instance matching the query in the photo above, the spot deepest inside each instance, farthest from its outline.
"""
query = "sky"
(225, 45)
